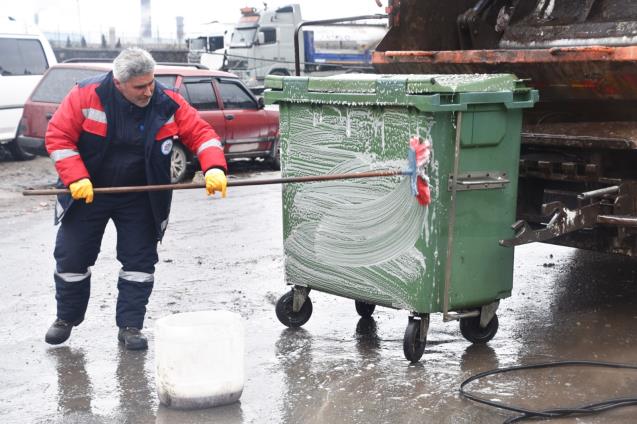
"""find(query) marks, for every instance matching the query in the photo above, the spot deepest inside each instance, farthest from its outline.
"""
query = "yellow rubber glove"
(82, 189)
(216, 181)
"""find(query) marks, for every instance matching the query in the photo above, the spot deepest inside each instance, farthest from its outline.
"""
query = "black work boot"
(132, 338)
(60, 331)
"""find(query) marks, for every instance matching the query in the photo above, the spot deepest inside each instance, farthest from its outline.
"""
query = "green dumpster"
(369, 239)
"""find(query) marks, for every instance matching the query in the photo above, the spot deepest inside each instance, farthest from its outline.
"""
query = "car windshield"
(58, 82)
(167, 80)
(243, 37)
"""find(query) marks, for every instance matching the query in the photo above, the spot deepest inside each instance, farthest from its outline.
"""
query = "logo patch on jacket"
(167, 146)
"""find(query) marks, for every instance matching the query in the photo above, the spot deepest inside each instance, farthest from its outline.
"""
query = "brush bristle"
(419, 155)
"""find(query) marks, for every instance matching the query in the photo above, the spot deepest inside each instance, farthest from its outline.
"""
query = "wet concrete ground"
(227, 254)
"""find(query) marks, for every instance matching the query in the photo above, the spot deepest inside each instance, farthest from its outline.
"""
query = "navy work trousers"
(78, 245)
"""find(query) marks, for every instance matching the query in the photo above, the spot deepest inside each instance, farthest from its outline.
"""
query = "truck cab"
(263, 43)
(207, 44)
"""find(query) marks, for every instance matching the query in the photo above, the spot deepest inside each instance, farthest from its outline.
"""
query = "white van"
(24, 56)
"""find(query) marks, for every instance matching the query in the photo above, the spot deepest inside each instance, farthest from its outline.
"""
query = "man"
(117, 129)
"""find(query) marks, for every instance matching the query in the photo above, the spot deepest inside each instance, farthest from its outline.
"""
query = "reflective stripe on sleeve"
(210, 143)
(63, 154)
(136, 276)
(73, 277)
(94, 115)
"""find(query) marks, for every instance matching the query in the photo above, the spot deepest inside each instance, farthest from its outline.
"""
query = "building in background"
(146, 27)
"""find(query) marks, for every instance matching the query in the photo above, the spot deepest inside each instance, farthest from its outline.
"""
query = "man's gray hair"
(132, 62)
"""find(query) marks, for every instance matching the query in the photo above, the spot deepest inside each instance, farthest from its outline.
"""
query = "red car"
(244, 126)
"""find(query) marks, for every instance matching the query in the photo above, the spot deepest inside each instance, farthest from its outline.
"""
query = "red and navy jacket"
(81, 129)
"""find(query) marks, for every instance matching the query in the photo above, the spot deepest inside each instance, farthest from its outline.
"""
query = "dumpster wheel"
(471, 330)
(365, 310)
(285, 312)
(414, 342)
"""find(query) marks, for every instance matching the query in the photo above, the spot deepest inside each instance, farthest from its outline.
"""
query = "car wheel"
(275, 162)
(179, 170)
(17, 152)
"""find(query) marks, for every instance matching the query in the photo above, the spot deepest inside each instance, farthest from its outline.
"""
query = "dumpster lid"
(436, 92)
(413, 84)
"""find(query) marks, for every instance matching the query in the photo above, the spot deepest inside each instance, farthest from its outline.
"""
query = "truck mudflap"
(619, 200)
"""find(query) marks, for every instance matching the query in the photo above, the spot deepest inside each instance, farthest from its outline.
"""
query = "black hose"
(556, 412)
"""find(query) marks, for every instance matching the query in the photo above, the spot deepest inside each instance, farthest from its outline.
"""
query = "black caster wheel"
(365, 310)
(287, 316)
(471, 330)
(413, 346)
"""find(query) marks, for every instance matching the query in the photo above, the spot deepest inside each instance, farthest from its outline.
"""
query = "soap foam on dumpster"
(351, 233)
(372, 231)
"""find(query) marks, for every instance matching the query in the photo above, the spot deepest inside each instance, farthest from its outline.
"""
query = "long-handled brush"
(418, 156)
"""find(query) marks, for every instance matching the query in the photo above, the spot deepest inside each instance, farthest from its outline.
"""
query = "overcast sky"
(97, 16)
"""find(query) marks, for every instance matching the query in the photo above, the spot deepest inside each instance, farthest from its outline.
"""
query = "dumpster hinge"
(483, 180)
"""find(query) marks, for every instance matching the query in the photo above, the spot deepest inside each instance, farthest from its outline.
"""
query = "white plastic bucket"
(199, 359)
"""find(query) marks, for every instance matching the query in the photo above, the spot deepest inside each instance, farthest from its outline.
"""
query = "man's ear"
(117, 83)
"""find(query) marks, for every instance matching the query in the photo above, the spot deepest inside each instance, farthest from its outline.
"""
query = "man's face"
(138, 90)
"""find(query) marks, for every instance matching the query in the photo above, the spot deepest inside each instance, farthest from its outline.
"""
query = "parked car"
(25, 54)
(246, 129)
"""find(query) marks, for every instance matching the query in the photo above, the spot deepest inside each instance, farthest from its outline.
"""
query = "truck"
(207, 44)
(577, 173)
(262, 44)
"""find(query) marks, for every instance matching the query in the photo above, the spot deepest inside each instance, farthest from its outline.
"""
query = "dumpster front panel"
(369, 239)
(354, 238)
